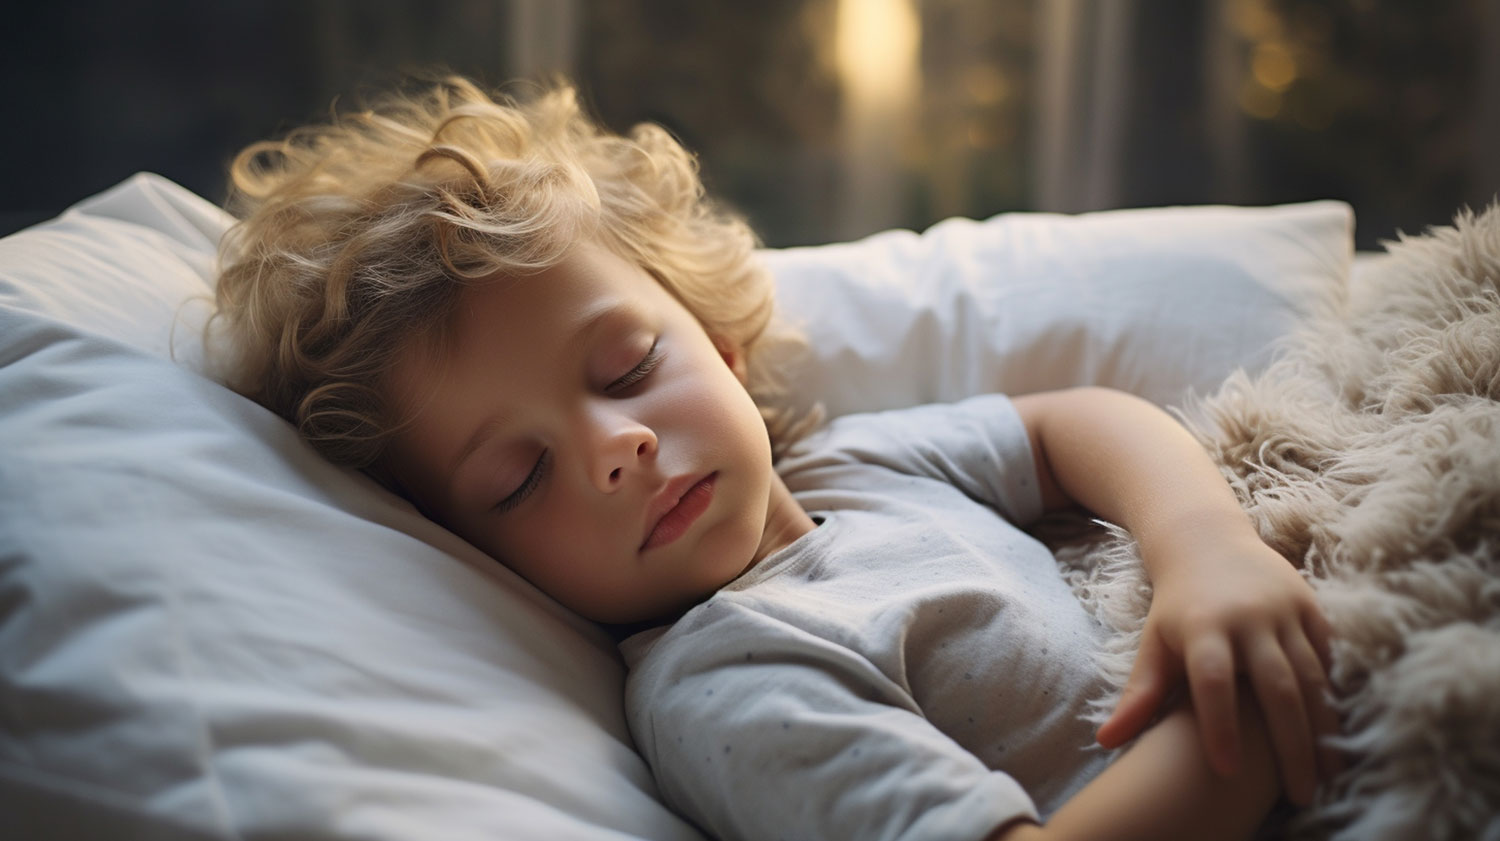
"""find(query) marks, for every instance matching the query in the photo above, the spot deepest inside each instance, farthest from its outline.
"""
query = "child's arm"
(1224, 603)
(1162, 790)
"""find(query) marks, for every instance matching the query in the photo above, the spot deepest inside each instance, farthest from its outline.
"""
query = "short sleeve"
(762, 732)
(978, 445)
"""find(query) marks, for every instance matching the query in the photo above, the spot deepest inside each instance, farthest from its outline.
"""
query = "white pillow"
(134, 263)
(209, 632)
(1156, 302)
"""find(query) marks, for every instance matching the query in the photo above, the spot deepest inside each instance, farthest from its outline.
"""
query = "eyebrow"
(579, 335)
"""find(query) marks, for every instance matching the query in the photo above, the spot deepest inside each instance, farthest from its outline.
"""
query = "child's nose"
(624, 445)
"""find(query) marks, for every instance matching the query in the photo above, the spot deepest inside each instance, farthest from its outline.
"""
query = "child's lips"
(674, 510)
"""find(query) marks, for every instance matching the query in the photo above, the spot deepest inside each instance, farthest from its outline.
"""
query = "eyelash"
(639, 372)
(519, 495)
(633, 376)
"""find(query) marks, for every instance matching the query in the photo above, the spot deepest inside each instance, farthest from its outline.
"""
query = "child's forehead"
(518, 328)
(571, 296)
(590, 291)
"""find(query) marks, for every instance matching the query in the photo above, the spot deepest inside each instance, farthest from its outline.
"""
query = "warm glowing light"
(986, 85)
(1274, 66)
(1258, 101)
(876, 44)
(1253, 20)
(980, 136)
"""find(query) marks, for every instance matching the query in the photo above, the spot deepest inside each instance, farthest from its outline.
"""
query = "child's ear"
(733, 356)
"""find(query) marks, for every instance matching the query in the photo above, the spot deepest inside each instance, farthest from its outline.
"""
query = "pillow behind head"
(1157, 302)
(134, 263)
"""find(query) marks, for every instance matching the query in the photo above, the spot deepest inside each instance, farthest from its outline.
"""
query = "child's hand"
(1235, 607)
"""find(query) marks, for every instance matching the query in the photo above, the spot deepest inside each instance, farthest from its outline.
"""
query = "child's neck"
(785, 522)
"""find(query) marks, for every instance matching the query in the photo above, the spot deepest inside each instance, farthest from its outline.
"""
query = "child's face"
(582, 427)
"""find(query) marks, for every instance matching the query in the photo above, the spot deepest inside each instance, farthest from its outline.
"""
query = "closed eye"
(639, 372)
(642, 369)
(519, 495)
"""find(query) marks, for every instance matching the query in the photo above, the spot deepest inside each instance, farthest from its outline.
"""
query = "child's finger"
(1320, 634)
(1142, 695)
(1210, 670)
(1281, 702)
(1309, 669)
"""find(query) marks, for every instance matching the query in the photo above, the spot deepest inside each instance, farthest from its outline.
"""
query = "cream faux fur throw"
(1368, 453)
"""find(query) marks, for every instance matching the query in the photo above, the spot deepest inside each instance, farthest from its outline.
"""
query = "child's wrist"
(1193, 536)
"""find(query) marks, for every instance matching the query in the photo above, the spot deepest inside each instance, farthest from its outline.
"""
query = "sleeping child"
(550, 341)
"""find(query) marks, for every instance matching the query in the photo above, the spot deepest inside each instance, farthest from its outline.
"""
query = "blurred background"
(821, 120)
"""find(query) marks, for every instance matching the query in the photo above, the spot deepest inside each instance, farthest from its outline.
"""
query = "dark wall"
(100, 89)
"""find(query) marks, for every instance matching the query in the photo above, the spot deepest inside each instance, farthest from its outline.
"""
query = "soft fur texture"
(1369, 454)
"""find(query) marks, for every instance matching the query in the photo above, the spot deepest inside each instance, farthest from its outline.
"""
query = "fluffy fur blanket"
(1369, 454)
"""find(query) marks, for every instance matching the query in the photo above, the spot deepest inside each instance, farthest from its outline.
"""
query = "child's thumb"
(1143, 693)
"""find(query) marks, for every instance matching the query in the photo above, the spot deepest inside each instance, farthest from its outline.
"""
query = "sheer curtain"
(542, 38)
(1083, 80)
(1393, 107)
(1134, 98)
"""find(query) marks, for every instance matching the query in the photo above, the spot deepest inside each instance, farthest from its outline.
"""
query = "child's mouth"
(681, 516)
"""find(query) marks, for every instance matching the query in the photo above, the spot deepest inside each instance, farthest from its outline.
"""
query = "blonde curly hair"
(357, 236)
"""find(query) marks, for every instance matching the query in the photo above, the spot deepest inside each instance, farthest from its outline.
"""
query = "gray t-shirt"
(914, 668)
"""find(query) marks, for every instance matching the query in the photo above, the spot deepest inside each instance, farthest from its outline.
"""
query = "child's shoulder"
(882, 431)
